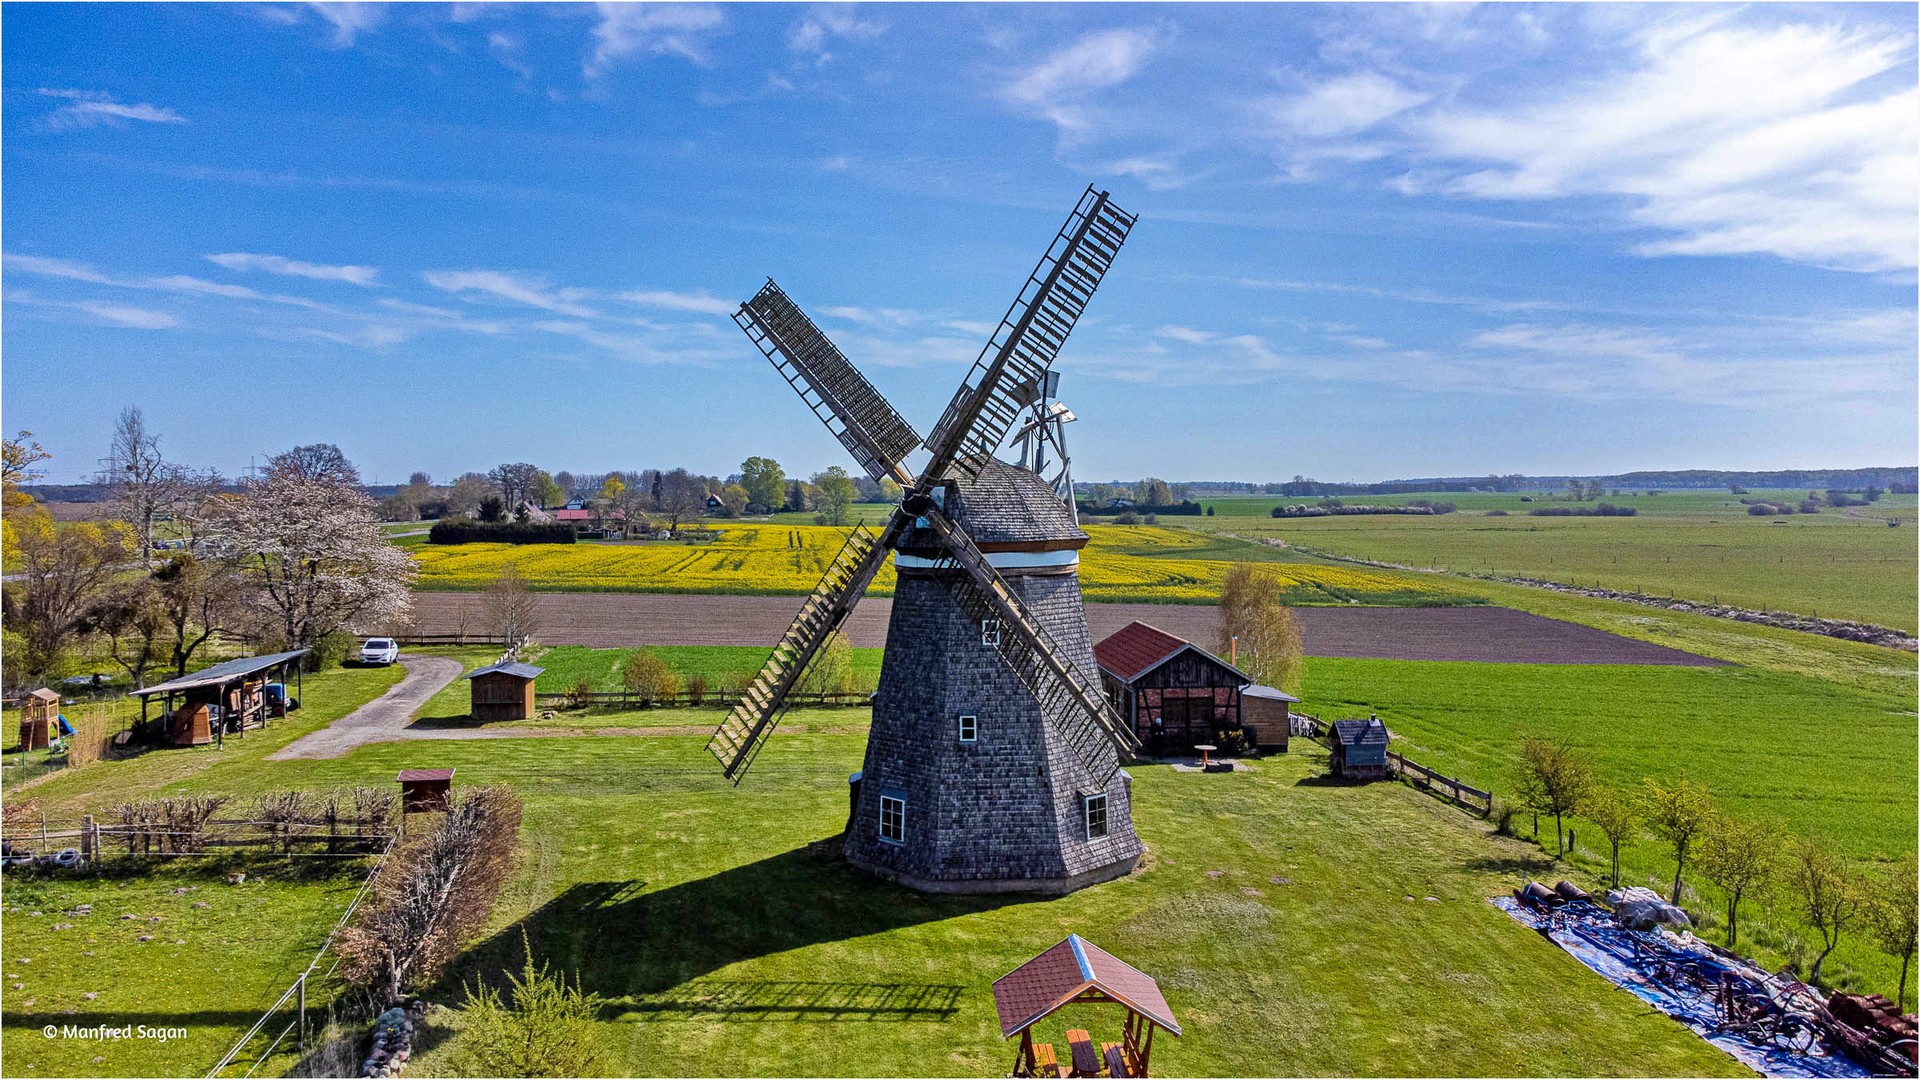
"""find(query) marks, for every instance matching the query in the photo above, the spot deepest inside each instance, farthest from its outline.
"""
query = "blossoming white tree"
(308, 542)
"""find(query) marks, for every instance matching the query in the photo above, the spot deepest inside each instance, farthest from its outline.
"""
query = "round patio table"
(1204, 751)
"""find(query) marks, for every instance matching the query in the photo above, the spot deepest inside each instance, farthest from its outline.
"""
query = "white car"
(380, 650)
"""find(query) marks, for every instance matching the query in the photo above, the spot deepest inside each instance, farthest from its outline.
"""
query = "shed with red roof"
(1174, 693)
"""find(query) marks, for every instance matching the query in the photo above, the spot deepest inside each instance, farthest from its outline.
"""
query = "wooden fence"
(450, 639)
(1472, 798)
(620, 699)
(93, 838)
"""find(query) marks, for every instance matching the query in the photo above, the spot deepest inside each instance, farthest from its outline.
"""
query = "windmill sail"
(1016, 358)
(828, 382)
(1070, 700)
(740, 736)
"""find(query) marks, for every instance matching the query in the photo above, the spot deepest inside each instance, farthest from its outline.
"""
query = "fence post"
(86, 840)
(303, 1012)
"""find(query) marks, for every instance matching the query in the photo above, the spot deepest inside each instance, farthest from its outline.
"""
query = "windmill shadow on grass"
(648, 951)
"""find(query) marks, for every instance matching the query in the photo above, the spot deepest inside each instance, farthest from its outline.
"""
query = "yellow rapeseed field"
(1120, 563)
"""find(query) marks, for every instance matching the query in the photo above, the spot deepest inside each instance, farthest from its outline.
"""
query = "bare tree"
(516, 483)
(198, 597)
(312, 552)
(146, 487)
(1618, 819)
(318, 462)
(133, 620)
(1891, 916)
(682, 495)
(512, 609)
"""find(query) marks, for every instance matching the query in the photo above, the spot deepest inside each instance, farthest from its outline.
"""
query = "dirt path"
(381, 719)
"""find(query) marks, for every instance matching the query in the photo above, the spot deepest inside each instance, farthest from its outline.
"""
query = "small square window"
(893, 819)
(989, 631)
(969, 727)
(1096, 807)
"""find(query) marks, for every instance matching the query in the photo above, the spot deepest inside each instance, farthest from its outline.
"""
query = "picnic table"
(1086, 1060)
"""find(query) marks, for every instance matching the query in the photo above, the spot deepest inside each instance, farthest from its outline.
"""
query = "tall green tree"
(766, 484)
(835, 500)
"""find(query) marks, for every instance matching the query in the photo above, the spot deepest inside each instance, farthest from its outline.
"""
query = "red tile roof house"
(1151, 675)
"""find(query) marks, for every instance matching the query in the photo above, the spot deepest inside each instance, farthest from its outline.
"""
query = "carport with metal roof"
(233, 693)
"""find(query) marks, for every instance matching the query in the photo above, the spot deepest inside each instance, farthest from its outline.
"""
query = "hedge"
(509, 532)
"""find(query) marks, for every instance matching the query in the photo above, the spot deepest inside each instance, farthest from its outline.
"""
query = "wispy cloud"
(681, 301)
(1062, 86)
(59, 268)
(115, 314)
(661, 29)
(349, 19)
(89, 108)
(1730, 139)
(637, 348)
(814, 33)
(277, 264)
(532, 291)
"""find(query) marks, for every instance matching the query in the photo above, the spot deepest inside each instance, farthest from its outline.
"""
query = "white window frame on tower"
(969, 727)
(893, 812)
(990, 631)
(1088, 806)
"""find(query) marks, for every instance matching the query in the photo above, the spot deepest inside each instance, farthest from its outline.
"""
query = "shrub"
(697, 689)
(1496, 513)
(1150, 520)
(1209, 511)
(581, 692)
(1761, 509)
(1231, 743)
(472, 532)
(648, 677)
(550, 1028)
(331, 650)
(1127, 517)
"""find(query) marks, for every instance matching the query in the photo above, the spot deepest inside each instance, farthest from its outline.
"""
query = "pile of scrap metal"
(1773, 1023)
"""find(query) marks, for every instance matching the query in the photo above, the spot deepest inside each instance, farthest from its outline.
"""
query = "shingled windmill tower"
(994, 759)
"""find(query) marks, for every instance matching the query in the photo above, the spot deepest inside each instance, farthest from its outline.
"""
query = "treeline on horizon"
(1898, 480)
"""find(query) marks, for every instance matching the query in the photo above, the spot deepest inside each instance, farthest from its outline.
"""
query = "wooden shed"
(1359, 749)
(425, 791)
(1264, 716)
(39, 711)
(1172, 692)
(502, 691)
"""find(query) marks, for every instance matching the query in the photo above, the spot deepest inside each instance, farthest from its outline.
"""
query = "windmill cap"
(1007, 508)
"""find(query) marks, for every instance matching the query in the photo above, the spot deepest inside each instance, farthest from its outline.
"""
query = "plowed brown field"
(1487, 634)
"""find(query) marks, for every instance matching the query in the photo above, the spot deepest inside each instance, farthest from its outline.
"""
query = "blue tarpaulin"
(1643, 964)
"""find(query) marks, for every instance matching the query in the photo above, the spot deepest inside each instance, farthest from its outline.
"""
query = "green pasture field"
(204, 978)
(1674, 502)
(1837, 563)
(703, 911)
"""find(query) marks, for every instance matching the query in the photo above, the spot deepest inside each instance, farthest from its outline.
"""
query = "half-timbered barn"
(1173, 693)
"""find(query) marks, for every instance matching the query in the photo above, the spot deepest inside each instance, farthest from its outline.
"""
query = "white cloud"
(657, 28)
(60, 268)
(633, 347)
(506, 49)
(1732, 140)
(534, 292)
(1345, 105)
(187, 284)
(276, 264)
(375, 336)
(816, 30)
(87, 108)
(122, 315)
(349, 18)
(680, 301)
(1061, 87)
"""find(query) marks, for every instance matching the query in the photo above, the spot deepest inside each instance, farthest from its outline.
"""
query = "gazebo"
(1076, 970)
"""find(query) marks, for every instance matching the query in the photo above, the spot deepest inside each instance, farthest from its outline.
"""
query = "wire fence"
(294, 1001)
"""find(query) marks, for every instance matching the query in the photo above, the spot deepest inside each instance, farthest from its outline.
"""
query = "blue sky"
(1375, 241)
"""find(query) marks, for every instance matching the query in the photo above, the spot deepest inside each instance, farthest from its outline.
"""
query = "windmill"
(993, 761)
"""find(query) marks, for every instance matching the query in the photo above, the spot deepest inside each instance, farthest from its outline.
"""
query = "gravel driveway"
(381, 719)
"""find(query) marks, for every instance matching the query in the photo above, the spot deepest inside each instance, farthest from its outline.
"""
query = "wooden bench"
(1045, 1063)
(1085, 1061)
(1116, 1058)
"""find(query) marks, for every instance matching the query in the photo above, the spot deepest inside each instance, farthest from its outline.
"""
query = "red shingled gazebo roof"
(408, 776)
(1054, 978)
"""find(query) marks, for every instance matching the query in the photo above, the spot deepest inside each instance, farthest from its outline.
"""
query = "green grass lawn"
(219, 956)
(1843, 564)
